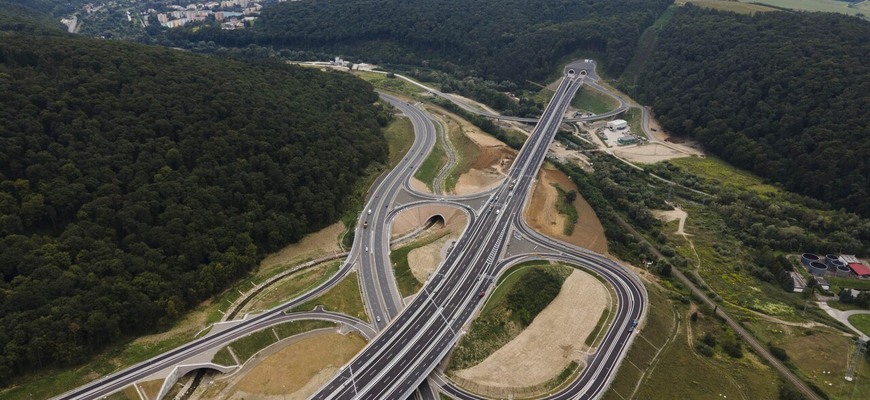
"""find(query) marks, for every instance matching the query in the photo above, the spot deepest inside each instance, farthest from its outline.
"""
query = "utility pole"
(860, 347)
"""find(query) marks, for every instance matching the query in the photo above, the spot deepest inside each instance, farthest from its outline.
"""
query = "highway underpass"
(412, 340)
(408, 349)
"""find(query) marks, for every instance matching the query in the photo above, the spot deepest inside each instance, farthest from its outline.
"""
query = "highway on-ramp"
(406, 352)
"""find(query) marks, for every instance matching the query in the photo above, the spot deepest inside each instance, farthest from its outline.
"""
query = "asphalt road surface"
(406, 352)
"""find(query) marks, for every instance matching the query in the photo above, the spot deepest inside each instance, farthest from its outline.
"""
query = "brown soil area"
(418, 185)
(298, 370)
(649, 153)
(314, 245)
(409, 220)
(541, 213)
(423, 260)
(489, 168)
(551, 342)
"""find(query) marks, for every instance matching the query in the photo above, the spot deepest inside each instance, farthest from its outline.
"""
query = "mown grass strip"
(400, 137)
(466, 152)
(602, 322)
(431, 165)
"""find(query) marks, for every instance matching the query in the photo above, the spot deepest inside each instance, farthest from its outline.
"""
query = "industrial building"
(617, 124)
(844, 266)
(626, 140)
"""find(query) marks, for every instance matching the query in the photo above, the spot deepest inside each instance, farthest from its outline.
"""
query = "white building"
(617, 124)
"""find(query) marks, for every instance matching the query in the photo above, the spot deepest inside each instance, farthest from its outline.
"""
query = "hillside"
(493, 39)
(784, 95)
(28, 16)
(137, 181)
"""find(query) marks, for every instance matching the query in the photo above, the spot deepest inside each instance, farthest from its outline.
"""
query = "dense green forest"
(28, 16)
(137, 181)
(785, 95)
(494, 39)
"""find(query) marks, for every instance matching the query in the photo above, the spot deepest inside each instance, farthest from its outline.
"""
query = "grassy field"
(839, 283)
(733, 6)
(465, 149)
(400, 137)
(819, 355)
(407, 282)
(716, 377)
(862, 322)
(433, 163)
(250, 345)
(289, 370)
(591, 100)
(393, 85)
(634, 117)
(343, 298)
(659, 325)
(834, 6)
(223, 357)
(700, 377)
(722, 173)
(300, 283)
(717, 256)
(129, 393)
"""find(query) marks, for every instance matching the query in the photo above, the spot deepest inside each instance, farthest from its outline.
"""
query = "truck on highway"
(365, 224)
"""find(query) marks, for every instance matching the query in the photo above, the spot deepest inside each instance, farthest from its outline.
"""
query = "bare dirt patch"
(488, 170)
(414, 218)
(554, 339)
(425, 259)
(541, 213)
(687, 146)
(315, 245)
(483, 139)
(418, 185)
(299, 369)
(677, 214)
(649, 153)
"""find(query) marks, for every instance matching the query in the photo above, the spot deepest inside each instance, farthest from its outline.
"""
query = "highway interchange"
(414, 339)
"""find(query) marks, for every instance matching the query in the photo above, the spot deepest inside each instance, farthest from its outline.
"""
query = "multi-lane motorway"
(413, 339)
(406, 352)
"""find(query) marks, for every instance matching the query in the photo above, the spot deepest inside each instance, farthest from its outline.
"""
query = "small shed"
(860, 269)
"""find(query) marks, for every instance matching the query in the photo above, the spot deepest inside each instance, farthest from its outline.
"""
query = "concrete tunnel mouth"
(436, 220)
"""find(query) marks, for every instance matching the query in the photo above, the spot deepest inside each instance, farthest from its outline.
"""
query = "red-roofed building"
(860, 269)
